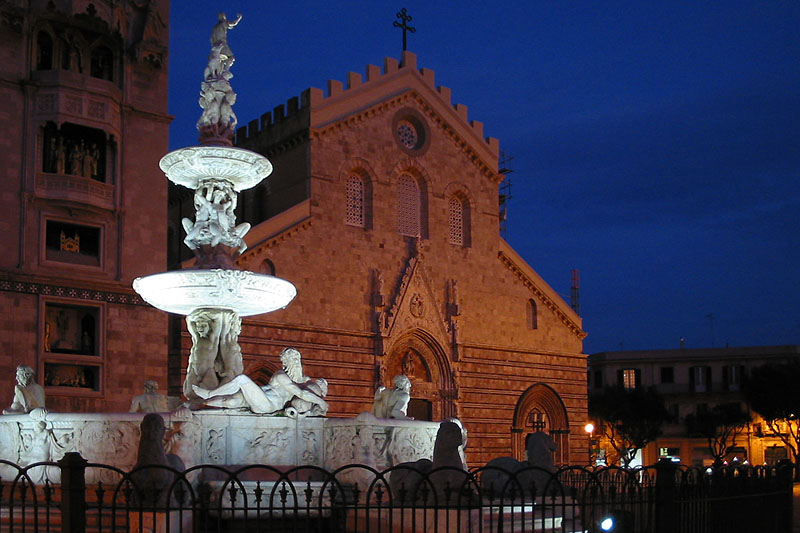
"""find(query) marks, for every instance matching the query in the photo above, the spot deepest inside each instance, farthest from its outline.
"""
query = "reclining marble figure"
(285, 385)
(28, 395)
(393, 403)
(153, 402)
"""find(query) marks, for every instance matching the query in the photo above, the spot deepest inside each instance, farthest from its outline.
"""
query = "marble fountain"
(226, 419)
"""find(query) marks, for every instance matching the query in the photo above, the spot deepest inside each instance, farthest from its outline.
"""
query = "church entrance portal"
(540, 409)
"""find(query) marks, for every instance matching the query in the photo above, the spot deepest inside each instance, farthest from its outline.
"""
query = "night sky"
(656, 148)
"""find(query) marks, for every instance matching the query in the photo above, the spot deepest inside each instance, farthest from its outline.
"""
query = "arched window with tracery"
(456, 219)
(409, 206)
(355, 204)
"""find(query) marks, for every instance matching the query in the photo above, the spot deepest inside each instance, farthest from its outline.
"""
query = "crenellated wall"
(314, 100)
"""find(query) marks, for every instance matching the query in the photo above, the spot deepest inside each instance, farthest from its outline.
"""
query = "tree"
(628, 418)
(772, 391)
(720, 426)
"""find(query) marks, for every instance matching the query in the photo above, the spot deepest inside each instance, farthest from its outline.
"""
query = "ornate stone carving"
(215, 446)
(214, 224)
(111, 442)
(268, 447)
(410, 444)
(310, 452)
(338, 446)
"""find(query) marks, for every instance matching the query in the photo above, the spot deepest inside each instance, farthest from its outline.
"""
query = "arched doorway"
(540, 408)
(260, 371)
(420, 357)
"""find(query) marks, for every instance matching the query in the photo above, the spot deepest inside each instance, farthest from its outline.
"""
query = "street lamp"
(589, 428)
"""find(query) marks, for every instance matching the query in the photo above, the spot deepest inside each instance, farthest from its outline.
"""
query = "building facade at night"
(83, 206)
(383, 211)
(692, 381)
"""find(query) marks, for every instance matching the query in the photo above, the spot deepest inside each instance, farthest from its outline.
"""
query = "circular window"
(407, 134)
(410, 131)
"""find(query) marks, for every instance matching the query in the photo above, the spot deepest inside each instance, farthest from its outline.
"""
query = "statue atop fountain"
(213, 293)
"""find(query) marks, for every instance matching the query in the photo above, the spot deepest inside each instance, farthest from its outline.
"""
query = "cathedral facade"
(83, 83)
(383, 211)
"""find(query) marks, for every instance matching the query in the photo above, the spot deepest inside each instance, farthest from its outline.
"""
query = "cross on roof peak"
(406, 18)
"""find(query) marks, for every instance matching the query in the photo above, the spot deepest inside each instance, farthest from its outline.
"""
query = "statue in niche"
(28, 395)
(285, 385)
(151, 401)
(215, 205)
(393, 403)
(89, 164)
(51, 155)
(76, 159)
(60, 156)
(215, 357)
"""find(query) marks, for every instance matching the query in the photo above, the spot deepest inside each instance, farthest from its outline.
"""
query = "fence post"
(666, 506)
(73, 493)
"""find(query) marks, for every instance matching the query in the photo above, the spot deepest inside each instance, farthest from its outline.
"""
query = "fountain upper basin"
(193, 165)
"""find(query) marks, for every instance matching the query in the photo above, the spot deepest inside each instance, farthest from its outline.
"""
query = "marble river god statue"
(393, 403)
(284, 386)
(28, 395)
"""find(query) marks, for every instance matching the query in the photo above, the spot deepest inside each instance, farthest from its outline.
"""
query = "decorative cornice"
(279, 238)
(65, 291)
(546, 300)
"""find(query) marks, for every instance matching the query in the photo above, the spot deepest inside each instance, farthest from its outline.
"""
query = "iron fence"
(664, 498)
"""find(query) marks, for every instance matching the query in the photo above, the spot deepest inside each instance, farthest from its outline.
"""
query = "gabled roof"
(396, 83)
(540, 289)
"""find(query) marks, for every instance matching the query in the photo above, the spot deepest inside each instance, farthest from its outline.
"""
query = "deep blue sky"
(656, 147)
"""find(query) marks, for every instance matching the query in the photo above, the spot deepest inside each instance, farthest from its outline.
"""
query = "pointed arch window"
(354, 209)
(409, 209)
(532, 315)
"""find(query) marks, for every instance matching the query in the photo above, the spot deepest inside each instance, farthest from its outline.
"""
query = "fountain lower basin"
(247, 293)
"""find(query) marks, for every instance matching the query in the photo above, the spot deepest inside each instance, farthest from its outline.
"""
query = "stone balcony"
(75, 189)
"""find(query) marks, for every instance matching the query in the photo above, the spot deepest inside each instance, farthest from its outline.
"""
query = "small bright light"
(607, 524)
(589, 427)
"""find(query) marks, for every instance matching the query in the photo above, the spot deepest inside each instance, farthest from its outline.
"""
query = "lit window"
(629, 378)
(408, 206)
(354, 210)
